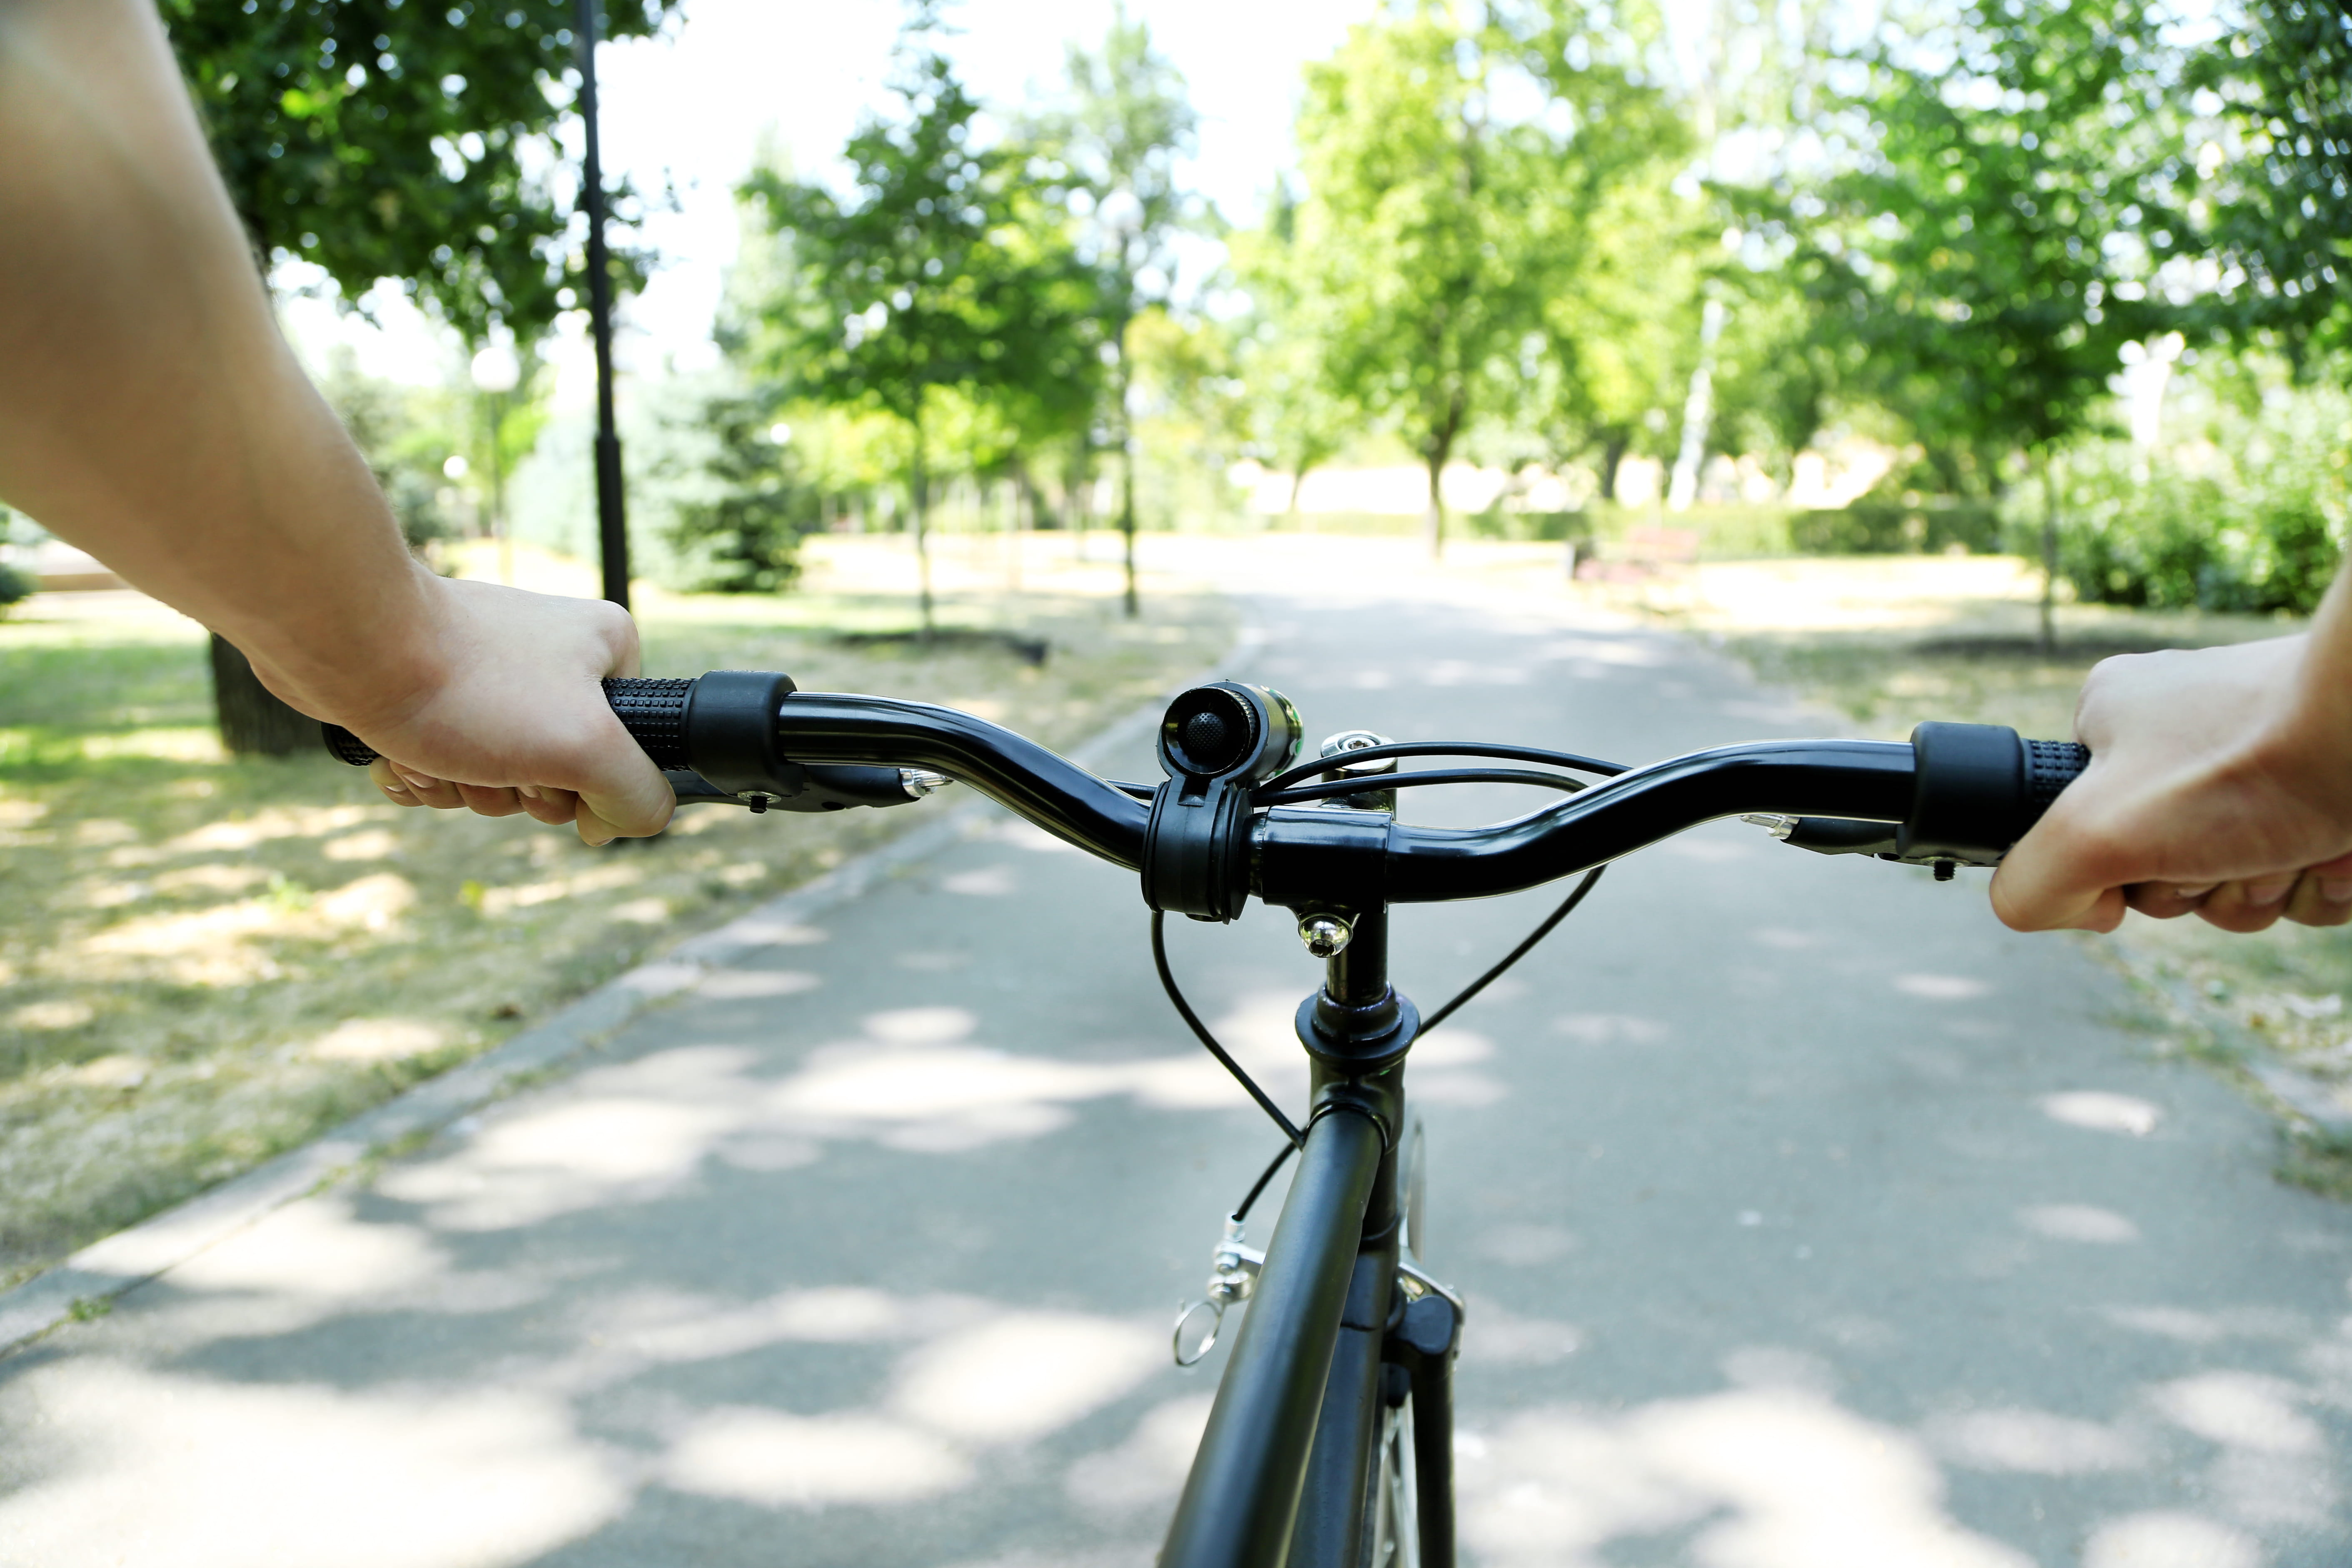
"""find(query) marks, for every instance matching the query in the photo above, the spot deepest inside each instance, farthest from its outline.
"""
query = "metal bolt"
(1324, 935)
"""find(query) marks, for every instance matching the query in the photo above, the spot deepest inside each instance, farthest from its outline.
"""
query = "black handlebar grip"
(653, 710)
(2050, 768)
(1979, 788)
(651, 707)
(346, 747)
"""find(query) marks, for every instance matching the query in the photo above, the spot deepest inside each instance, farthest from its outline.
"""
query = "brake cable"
(1569, 760)
(1184, 1009)
(1567, 908)
(1400, 781)
(1267, 794)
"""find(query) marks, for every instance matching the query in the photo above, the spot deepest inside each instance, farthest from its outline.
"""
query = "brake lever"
(1829, 834)
(814, 786)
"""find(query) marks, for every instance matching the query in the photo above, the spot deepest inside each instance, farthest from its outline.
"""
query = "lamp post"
(611, 514)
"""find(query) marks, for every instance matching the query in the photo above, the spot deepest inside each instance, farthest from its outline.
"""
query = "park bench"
(1644, 553)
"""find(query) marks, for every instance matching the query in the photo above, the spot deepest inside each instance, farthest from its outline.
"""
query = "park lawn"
(1889, 641)
(205, 961)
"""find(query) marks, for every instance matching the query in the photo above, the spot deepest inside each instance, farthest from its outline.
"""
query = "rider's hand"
(2221, 781)
(504, 713)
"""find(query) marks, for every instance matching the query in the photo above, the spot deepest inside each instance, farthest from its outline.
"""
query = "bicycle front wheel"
(1394, 1539)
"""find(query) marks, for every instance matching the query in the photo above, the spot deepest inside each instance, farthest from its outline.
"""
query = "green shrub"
(1525, 527)
(1907, 524)
(738, 517)
(14, 585)
(2257, 526)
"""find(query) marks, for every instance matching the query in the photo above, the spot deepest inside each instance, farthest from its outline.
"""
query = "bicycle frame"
(1285, 1473)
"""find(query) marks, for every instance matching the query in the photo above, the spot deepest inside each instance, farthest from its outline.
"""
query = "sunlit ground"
(517, 1346)
(435, 1371)
(205, 961)
(1886, 642)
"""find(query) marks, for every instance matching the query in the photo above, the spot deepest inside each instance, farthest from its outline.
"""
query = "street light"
(612, 523)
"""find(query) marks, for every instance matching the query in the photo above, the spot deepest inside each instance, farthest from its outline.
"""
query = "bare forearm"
(2316, 732)
(150, 411)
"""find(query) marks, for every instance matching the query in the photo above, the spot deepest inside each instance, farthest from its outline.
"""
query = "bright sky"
(690, 109)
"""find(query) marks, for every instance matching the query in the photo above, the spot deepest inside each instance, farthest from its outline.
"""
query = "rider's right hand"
(502, 711)
(2221, 782)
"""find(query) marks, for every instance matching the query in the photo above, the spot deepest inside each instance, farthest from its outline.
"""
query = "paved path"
(1808, 1219)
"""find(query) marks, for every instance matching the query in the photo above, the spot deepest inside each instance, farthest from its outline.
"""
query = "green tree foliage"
(1620, 328)
(1454, 164)
(1992, 239)
(1988, 238)
(1295, 420)
(947, 269)
(2265, 242)
(385, 140)
(1413, 232)
(1126, 124)
(1624, 249)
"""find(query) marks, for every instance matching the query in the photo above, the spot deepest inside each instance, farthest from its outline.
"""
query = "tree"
(1619, 334)
(1127, 124)
(945, 268)
(1990, 249)
(1297, 419)
(380, 139)
(1436, 228)
(2267, 218)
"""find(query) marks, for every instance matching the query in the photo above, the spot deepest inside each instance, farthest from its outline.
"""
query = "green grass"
(206, 961)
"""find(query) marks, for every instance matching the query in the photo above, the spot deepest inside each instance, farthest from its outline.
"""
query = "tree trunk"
(918, 502)
(1612, 460)
(253, 722)
(2049, 554)
(1433, 523)
(1126, 468)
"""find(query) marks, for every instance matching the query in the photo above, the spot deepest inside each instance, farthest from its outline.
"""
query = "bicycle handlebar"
(1956, 794)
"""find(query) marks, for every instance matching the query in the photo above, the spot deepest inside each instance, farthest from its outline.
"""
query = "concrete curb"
(85, 1282)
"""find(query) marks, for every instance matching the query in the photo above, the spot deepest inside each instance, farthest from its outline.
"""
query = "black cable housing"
(1582, 765)
(1567, 908)
(1338, 787)
(1184, 1009)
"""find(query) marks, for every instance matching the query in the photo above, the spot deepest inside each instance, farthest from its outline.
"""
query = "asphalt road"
(1808, 1220)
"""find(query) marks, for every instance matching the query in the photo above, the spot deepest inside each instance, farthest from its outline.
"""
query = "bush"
(14, 585)
(2258, 526)
(1905, 524)
(1526, 527)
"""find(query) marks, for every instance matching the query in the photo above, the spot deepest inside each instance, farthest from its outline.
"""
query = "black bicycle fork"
(1287, 1469)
